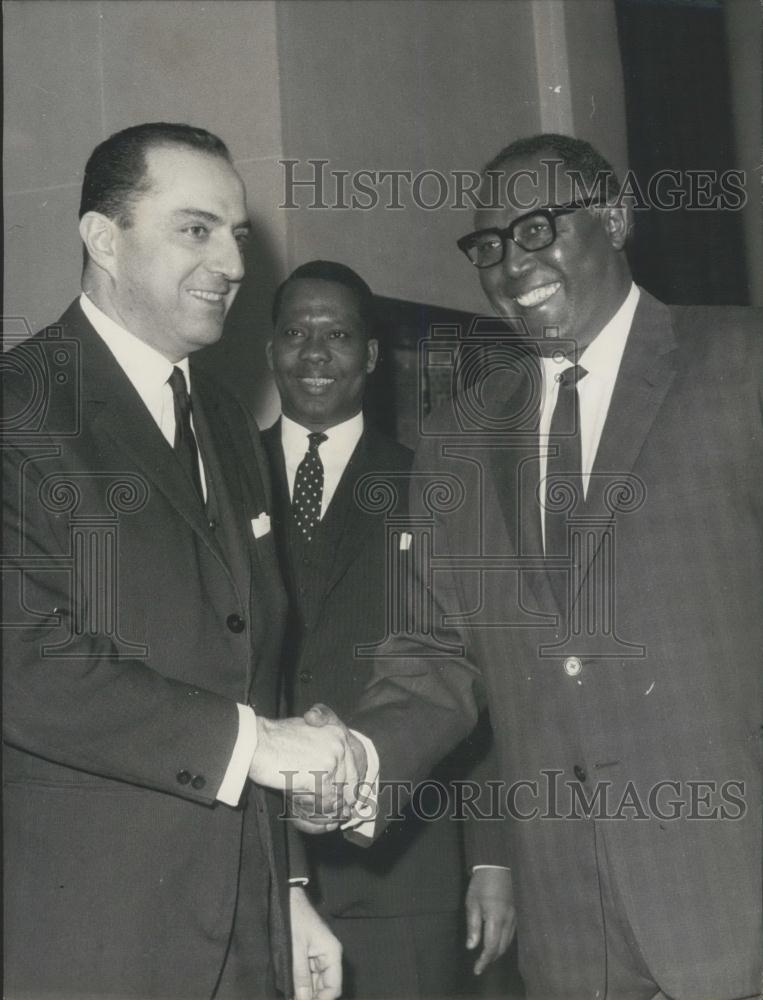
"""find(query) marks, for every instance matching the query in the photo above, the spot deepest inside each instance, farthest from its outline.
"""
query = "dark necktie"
(185, 441)
(308, 487)
(563, 468)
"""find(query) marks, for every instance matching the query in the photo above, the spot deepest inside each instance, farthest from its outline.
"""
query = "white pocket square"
(405, 541)
(261, 525)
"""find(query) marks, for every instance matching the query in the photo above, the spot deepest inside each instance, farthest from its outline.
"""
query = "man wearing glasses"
(609, 555)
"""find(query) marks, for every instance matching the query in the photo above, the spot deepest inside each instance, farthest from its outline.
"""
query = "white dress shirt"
(148, 371)
(601, 360)
(335, 452)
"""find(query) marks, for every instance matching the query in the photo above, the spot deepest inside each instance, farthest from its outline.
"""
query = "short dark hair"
(116, 172)
(575, 154)
(340, 274)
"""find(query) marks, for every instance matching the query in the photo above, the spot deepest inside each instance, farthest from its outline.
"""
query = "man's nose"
(517, 261)
(227, 258)
(316, 348)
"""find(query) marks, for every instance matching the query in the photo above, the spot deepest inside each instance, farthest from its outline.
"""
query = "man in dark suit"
(611, 465)
(143, 618)
(397, 909)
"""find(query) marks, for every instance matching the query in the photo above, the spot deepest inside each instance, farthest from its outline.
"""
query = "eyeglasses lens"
(532, 232)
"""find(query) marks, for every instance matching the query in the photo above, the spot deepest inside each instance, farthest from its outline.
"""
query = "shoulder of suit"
(224, 393)
(728, 337)
(42, 376)
(271, 438)
(386, 450)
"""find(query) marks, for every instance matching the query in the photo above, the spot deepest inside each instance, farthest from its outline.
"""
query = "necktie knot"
(571, 376)
(178, 386)
(316, 439)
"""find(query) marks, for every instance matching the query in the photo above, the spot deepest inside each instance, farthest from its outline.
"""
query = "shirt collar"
(340, 439)
(603, 355)
(146, 368)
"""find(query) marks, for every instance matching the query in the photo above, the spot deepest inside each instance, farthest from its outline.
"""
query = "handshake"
(316, 761)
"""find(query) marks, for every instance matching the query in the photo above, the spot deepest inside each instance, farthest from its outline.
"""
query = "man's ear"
(269, 353)
(99, 234)
(616, 221)
(373, 355)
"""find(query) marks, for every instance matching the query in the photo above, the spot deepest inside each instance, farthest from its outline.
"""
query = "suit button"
(211, 525)
(579, 772)
(572, 666)
(305, 676)
(235, 623)
(183, 777)
(198, 781)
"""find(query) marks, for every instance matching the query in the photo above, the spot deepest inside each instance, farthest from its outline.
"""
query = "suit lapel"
(112, 407)
(347, 524)
(646, 373)
(242, 486)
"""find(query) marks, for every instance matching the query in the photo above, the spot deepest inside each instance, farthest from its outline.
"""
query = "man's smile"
(537, 296)
(315, 383)
(205, 295)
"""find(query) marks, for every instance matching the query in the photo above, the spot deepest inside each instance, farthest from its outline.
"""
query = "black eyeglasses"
(534, 231)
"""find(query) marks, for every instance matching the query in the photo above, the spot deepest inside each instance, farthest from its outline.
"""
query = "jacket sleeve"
(426, 692)
(481, 800)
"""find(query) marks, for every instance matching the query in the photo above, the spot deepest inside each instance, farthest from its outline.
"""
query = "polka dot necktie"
(308, 488)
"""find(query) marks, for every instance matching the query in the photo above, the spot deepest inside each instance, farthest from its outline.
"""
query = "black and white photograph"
(382, 547)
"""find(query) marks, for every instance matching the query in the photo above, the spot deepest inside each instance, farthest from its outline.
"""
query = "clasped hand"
(316, 761)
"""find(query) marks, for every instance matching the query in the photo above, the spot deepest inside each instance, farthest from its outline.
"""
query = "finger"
(321, 715)
(473, 925)
(303, 983)
(315, 973)
(329, 979)
(490, 939)
(507, 933)
(315, 826)
(352, 778)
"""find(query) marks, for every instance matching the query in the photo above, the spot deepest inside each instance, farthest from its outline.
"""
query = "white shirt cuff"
(241, 759)
(363, 820)
(504, 868)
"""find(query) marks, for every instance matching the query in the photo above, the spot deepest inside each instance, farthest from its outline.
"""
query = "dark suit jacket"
(134, 622)
(339, 603)
(669, 688)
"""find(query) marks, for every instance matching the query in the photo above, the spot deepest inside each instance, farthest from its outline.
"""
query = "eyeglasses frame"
(504, 235)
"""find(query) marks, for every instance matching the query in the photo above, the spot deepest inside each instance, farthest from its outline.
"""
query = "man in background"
(143, 619)
(396, 909)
